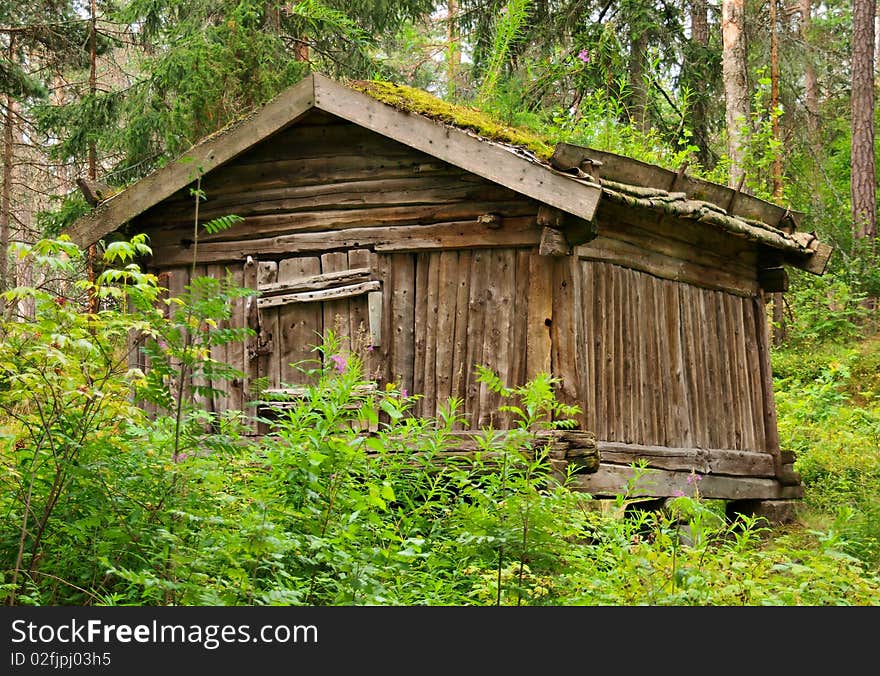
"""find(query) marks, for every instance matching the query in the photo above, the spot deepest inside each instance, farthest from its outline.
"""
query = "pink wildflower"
(340, 362)
(584, 55)
(693, 478)
(678, 494)
(403, 393)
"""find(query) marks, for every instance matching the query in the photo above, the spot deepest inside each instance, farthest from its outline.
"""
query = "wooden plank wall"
(471, 307)
(665, 363)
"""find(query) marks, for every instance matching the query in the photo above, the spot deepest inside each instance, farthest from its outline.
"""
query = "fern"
(221, 223)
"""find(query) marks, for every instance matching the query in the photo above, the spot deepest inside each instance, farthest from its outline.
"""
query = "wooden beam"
(613, 480)
(493, 161)
(553, 243)
(631, 256)
(629, 170)
(374, 313)
(315, 282)
(702, 460)
(576, 230)
(320, 296)
(217, 149)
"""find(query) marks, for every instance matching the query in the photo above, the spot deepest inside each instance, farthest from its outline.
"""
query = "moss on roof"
(418, 101)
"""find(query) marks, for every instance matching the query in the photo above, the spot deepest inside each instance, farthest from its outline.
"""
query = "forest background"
(102, 506)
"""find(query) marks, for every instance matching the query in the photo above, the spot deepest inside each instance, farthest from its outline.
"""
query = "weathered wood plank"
(587, 343)
(322, 296)
(431, 300)
(300, 326)
(354, 275)
(336, 164)
(739, 365)
(496, 332)
(662, 394)
(650, 327)
(676, 422)
(250, 319)
(704, 461)
(462, 324)
(447, 291)
(627, 387)
(539, 316)
(641, 332)
(754, 376)
(477, 310)
(602, 348)
(377, 362)
(611, 480)
(563, 331)
(689, 375)
(422, 270)
(395, 192)
(268, 364)
(709, 349)
(335, 312)
(519, 318)
(403, 306)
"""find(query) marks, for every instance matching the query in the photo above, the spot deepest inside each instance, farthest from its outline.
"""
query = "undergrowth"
(351, 499)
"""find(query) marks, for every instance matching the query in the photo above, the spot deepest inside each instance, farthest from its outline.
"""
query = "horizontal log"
(379, 193)
(306, 171)
(315, 282)
(678, 238)
(629, 170)
(519, 231)
(702, 460)
(320, 296)
(628, 255)
(612, 480)
(255, 227)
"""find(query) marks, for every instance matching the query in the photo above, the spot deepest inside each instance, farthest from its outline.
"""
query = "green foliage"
(829, 414)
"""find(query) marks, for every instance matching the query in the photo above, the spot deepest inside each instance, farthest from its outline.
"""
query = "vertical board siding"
(470, 308)
(665, 363)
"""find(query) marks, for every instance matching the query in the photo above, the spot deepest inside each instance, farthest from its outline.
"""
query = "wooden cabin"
(434, 247)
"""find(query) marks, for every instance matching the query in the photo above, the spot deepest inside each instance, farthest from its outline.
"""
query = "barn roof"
(570, 178)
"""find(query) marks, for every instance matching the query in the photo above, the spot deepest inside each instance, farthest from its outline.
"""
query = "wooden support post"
(553, 243)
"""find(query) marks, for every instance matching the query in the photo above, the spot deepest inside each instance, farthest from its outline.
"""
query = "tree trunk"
(638, 92)
(93, 151)
(863, 183)
(6, 195)
(779, 329)
(736, 93)
(699, 10)
(811, 81)
(453, 48)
